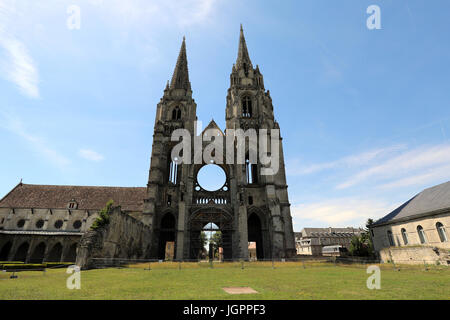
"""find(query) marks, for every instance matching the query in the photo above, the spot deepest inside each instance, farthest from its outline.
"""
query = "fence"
(313, 262)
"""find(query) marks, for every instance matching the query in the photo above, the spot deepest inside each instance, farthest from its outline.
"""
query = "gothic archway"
(22, 251)
(167, 235)
(199, 221)
(55, 253)
(38, 253)
(255, 234)
(71, 255)
(4, 254)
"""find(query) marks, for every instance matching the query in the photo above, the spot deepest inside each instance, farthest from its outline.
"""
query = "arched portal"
(4, 253)
(55, 253)
(212, 220)
(38, 253)
(71, 255)
(166, 248)
(255, 234)
(22, 251)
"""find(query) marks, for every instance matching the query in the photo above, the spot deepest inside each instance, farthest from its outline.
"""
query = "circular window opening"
(40, 224)
(77, 224)
(58, 224)
(21, 223)
(211, 177)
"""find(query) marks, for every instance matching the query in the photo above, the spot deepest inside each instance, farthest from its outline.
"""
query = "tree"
(103, 216)
(362, 245)
(216, 240)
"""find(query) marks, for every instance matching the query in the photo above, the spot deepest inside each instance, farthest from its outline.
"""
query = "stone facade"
(310, 241)
(177, 207)
(413, 232)
(45, 223)
(123, 238)
(174, 207)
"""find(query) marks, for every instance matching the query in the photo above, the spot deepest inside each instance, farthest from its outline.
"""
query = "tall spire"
(180, 78)
(243, 56)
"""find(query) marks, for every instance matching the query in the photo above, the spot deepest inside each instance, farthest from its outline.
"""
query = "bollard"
(179, 265)
(303, 263)
(242, 264)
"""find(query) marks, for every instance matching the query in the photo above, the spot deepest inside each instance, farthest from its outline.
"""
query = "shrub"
(103, 218)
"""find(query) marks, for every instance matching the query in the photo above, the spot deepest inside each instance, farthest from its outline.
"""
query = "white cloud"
(90, 155)
(346, 162)
(438, 174)
(416, 161)
(16, 63)
(17, 127)
(341, 212)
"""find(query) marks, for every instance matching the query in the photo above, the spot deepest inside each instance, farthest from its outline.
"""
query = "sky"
(364, 113)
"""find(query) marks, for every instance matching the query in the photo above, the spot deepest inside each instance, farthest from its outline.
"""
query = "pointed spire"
(243, 56)
(180, 78)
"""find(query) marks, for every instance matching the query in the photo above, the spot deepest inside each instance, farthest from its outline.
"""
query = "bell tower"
(264, 208)
(163, 207)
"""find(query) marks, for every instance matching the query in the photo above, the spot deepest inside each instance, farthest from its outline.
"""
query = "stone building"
(248, 207)
(417, 231)
(310, 241)
(43, 223)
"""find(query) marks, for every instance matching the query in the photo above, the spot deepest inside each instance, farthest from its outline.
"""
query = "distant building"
(417, 231)
(310, 241)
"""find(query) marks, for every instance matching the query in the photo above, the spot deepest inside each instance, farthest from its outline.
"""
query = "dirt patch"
(239, 290)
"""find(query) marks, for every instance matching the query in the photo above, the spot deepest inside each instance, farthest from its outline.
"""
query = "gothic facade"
(249, 207)
(48, 223)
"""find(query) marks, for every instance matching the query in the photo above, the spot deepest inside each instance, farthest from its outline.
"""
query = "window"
(250, 200)
(247, 107)
(40, 224)
(421, 233)
(77, 224)
(58, 224)
(176, 113)
(441, 231)
(251, 171)
(169, 199)
(173, 172)
(390, 238)
(404, 236)
(21, 223)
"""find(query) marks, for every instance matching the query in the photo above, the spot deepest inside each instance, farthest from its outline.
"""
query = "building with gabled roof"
(416, 231)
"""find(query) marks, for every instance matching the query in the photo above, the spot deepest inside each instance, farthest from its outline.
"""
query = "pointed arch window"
(251, 171)
(176, 113)
(390, 238)
(173, 171)
(404, 236)
(441, 231)
(421, 234)
(247, 107)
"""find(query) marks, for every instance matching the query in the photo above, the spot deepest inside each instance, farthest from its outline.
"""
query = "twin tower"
(248, 207)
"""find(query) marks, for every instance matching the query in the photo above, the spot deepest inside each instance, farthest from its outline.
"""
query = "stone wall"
(415, 255)
(428, 223)
(123, 238)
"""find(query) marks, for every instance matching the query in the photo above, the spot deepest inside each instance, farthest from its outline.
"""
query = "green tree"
(216, 240)
(362, 245)
(103, 216)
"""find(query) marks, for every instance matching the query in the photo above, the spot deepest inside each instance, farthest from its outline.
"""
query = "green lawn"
(288, 281)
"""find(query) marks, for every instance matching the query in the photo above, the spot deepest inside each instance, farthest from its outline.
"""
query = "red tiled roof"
(58, 197)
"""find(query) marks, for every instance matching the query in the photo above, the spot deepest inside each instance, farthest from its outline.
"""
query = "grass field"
(196, 281)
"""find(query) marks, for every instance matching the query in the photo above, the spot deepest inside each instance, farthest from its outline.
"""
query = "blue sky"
(364, 114)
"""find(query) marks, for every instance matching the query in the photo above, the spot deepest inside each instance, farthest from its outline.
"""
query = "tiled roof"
(330, 232)
(87, 198)
(428, 201)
